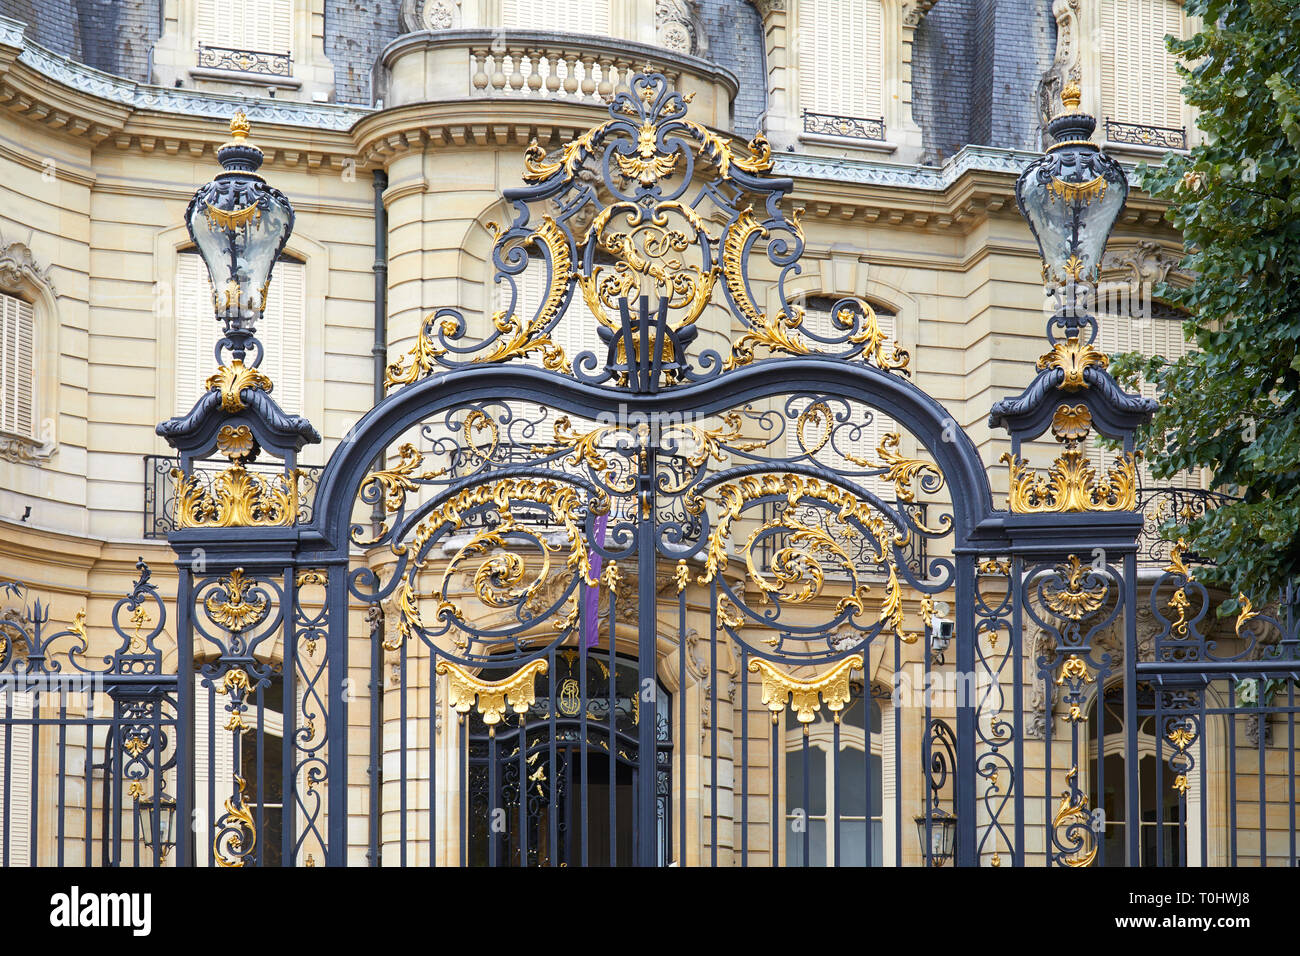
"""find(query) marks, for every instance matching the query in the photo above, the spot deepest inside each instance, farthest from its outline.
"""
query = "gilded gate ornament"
(232, 379)
(236, 830)
(807, 695)
(238, 498)
(1080, 596)
(1073, 357)
(1072, 484)
(493, 696)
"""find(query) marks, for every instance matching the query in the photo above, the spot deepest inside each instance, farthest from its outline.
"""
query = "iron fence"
(1160, 505)
(245, 61)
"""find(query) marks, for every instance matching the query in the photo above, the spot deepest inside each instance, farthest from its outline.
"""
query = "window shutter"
(1139, 81)
(16, 790)
(263, 26)
(281, 331)
(841, 49)
(17, 367)
(566, 16)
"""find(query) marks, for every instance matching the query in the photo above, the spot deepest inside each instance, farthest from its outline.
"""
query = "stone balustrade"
(531, 64)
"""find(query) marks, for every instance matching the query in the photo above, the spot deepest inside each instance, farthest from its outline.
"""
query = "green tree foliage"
(1233, 404)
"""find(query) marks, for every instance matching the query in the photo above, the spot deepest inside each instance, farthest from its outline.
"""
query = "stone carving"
(677, 25)
(434, 15)
(1065, 66)
(1143, 265)
(914, 13)
(18, 267)
(767, 7)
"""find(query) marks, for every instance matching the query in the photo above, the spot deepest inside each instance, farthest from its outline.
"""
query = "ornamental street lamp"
(941, 826)
(1071, 197)
(936, 828)
(157, 827)
(240, 225)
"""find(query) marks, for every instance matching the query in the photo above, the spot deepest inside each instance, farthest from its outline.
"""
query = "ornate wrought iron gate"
(625, 598)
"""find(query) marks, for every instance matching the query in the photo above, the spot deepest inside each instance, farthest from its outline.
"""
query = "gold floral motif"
(237, 820)
(735, 246)
(232, 379)
(832, 687)
(517, 690)
(575, 151)
(648, 164)
(1179, 600)
(682, 575)
(713, 147)
(134, 745)
(312, 576)
(135, 790)
(1075, 670)
(1073, 357)
(393, 483)
(1094, 188)
(235, 442)
(1246, 615)
(236, 613)
(1071, 484)
(238, 498)
(1074, 600)
(994, 566)
(78, 625)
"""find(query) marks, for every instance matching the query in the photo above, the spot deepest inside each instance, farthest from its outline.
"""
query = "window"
(1161, 833)
(17, 721)
(840, 57)
(812, 797)
(17, 367)
(567, 16)
(197, 332)
(263, 26)
(1138, 80)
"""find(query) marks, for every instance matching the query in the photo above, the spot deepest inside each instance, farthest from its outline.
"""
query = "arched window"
(597, 781)
(1139, 84)
(823, 786)
(1162, 837)
(281, 331)
(841, 53)
(17, 367)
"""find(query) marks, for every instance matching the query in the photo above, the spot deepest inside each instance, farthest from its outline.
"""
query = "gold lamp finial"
(239, 125)
(1070, 96)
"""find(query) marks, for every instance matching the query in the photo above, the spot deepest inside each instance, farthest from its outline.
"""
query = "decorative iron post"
(1073, 532)
(236, 539)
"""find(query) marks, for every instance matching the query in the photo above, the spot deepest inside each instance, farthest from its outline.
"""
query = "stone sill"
(1132, 149)
(244, 79)
(849, 142)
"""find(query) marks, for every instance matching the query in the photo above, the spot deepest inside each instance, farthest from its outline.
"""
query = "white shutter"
(263, 26)
(564, 16)
(841, 51)
(17, 367)
(888, 786)
(214, 762)
(1138, 78)
(281, 331)
(16, 789)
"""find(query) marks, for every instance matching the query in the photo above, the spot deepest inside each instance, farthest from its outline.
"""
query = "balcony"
(868, 129)
(252, 62)
(1163, 504)
(534, 65)
(160, 490)
(1149, 137)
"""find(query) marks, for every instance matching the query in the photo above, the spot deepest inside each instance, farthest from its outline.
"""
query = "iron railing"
(160, 490)
(245, 61)
(1141, 134)
(1162, 504)
(850, 127)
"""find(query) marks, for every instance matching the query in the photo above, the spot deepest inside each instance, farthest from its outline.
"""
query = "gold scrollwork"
(1179, 601)
(832, 687)
(231, 827)
(900, 469)
(1072, 484)
(393, 483)
(423, 355)
(1075, 600)
(518, 337)
(799, 560)
(232, 379)
(518, 690)
(1072, 815)
(1076, 673)
(1246, 615)
(1073, 357)
(238, 498)
(236, 613)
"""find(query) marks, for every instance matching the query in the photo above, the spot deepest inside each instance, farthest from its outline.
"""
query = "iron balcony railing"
(1167, 503)
(850, 127)
(160, 490)
(1140, 134)
(245, 61)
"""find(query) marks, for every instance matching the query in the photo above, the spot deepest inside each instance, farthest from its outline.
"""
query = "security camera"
(940, 638)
